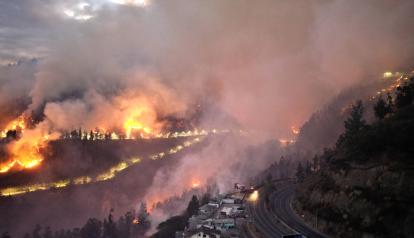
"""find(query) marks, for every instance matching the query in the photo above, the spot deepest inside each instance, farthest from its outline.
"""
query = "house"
(228, 201)
(204, 233)
(224, 224)
(225, 211)
(208, 209)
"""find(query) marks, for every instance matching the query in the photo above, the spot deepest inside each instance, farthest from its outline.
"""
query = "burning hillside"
(128, 118)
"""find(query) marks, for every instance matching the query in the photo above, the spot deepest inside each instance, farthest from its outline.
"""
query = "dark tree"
(36, 232)
(308, 169)
(75, 233)
(205, 198)
(390, 103)
(142, 223)
(381, 108)
(355, 122)
(167, 229)
(404, 96)
(92, 229)
(109, 227)
(300, 173)
(91, 136)
(124, 227)
(47, 233)
(269, 178)
(5, 235)
(27, 235)
(193, 206)
(315, 163)
(74, 134)
(268, 184)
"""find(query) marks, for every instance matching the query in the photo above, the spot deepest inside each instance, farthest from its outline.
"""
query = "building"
(204, 233)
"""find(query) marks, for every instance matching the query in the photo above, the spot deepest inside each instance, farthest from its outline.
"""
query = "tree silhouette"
(205, 198)
(5, 235)
(381, 108)
(300, 174)
(315, 163)
(92, 229)
(143, 219)
(308, 169)
(404, 96)
(355, 122)
(36, 232)
(193, 206)
(109, 227)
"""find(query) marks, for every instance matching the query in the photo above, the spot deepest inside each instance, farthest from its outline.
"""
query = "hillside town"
(222, 217)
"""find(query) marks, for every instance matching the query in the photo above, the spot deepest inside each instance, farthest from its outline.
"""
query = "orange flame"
(17, 124)
(25, 153)
(139, 118)
(294, 130)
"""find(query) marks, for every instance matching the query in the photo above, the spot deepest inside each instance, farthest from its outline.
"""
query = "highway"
(276, 217)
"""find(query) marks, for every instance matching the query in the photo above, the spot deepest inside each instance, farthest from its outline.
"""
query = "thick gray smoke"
(267, 63)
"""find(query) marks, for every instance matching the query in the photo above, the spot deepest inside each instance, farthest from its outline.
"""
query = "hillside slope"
(363, 186)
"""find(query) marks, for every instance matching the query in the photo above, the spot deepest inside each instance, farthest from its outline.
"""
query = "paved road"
(277, 218)
(281, 201)
(267, 224)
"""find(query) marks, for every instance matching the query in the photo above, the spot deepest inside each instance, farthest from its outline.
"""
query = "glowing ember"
(294, 130)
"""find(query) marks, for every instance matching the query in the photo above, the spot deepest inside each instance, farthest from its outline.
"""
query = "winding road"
(275, 217)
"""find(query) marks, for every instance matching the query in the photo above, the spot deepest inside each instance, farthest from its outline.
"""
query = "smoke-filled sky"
(267, 63)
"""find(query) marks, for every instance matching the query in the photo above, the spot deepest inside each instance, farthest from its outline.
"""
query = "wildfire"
(16, 125)
(195, 183)
(294, 130)
(25, 153)
(108, 175)
(141, 120)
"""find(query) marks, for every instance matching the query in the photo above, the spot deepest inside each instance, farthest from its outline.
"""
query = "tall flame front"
(25, 151)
